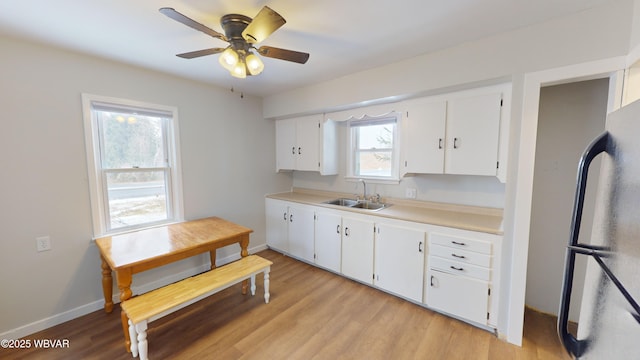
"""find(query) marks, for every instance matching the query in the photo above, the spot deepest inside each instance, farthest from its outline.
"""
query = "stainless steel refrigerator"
(609, 322)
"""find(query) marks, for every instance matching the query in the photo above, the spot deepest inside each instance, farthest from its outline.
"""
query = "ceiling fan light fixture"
(228, 59)
(254, 64)
(239, 70)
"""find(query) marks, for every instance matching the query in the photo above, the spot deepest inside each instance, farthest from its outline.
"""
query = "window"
(373, 147)
(132, 158)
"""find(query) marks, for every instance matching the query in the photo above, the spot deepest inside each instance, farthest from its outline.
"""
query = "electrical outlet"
(411, 193)
(43, 243)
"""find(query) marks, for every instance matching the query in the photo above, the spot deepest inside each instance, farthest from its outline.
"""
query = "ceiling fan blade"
(283, 54)
(205, 52)
(264, 24)
(172, 13)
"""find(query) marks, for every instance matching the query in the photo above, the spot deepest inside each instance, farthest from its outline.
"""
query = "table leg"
(212, 256)
(244, 251)
(107, 286)
(124, 284)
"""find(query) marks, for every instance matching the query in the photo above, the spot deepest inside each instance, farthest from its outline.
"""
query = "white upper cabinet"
(463, 133)
(307, 144)
(473, 134)
(423, 132)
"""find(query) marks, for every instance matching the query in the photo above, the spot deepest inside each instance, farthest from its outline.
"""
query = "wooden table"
(134, 252)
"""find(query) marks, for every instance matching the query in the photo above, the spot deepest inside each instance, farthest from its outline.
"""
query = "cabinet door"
(301, 228)
(308, 145)
(399, 260)
(277, 224)
(285, 144)
(458, 295)
(424, 137)
(357, 249)
(328, 240)
(473, 133)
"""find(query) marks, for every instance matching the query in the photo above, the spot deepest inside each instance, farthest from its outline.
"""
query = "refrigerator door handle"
(574, 346)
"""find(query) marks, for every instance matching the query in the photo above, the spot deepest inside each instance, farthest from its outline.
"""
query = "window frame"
(352, 151)
(97, 175)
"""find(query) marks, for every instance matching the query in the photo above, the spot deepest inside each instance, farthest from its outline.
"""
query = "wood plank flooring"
(313, 314)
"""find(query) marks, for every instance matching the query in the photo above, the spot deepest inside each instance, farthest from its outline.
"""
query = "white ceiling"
(342, 36)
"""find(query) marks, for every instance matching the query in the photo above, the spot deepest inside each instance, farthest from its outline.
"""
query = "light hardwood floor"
(313, 314)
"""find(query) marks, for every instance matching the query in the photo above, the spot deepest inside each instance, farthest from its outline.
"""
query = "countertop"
(488, 220)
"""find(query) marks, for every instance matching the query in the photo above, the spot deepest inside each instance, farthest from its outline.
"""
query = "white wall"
(570, 117)
(227, 161)
(597, 33)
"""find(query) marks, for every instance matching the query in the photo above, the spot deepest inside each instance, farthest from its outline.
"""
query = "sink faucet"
(364, 192)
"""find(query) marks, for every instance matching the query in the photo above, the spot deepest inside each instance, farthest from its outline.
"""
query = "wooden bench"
(155, 304)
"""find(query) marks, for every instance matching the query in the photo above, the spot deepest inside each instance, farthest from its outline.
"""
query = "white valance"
(373, 111)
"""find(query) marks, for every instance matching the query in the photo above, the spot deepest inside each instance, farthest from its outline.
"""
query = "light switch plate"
(411, 193)
(43, 243)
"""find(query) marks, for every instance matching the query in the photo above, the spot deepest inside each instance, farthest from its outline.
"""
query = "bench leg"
(266, 285)
(141, 329)
(253, 284)
(133, 337)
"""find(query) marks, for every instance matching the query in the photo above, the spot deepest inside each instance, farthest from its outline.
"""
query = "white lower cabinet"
(328, 240)
(301, 232)
(290, 228)
(357, 249)
(449, 270)
(462, 273)
(399, 260)
(462, 296)
(277, 225)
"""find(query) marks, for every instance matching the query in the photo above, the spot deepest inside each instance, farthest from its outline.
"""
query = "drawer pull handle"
(458, 243)
(338, 229)
(459, 256)
(431, 281)
(457, 268)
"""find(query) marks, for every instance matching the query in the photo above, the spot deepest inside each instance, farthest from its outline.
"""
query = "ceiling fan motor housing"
(234, 25)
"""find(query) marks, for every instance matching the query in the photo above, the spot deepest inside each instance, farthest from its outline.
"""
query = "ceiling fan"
(241, 32)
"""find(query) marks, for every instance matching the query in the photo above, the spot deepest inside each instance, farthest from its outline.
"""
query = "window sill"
(372, 180)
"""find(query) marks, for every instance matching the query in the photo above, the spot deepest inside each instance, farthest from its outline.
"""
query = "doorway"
(570, 116)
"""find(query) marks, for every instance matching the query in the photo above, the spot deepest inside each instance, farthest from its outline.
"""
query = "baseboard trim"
(85, 309)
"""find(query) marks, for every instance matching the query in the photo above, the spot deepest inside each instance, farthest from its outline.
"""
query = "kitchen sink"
(365, 205)
(342, 202)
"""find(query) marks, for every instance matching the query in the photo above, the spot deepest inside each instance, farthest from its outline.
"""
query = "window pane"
(131, 140)
(376, 136)
(376, 163)
(136, 197)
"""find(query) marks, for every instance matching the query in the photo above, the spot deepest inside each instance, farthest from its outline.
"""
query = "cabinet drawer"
(464, 256)
(459, 268)
(459, 242)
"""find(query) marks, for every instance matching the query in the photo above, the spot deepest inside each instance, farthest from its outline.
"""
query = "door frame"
(520, 194)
